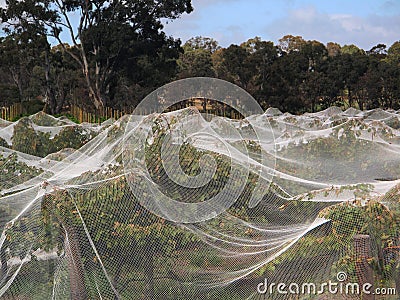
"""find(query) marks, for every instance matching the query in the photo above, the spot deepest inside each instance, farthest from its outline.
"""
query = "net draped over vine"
(183, 205)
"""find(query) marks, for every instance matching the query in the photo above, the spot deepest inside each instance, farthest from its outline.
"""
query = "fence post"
(362, 248)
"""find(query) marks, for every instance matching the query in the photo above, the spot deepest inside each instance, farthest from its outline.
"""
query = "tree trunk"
(60, 103)
(51, 98)
(361, 104)
(18, 82)
(350, 97)
(92, 93)
(97, 101)
(313, 104)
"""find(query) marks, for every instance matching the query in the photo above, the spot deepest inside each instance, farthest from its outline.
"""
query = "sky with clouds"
(363, 23)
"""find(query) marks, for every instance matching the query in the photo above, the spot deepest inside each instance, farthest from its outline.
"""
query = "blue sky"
(363, 23)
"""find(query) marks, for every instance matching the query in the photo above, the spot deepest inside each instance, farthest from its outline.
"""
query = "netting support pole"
(362, 248)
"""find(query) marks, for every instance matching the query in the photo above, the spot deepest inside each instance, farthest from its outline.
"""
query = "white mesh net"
(185, 205)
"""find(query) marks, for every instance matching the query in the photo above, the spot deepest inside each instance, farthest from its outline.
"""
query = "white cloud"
(365, 32)
(230, 35)
(382, 25)
(191, 25)
(215, 19)
(186, 24)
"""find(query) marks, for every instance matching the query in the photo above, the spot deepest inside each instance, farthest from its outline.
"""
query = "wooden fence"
(94, 117)
(81, 115)
(202, 104)
(12, 112)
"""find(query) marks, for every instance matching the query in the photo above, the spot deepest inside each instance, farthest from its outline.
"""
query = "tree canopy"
(106, 36)
(116, 52)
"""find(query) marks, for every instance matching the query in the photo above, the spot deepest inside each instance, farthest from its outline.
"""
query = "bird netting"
(185, 204)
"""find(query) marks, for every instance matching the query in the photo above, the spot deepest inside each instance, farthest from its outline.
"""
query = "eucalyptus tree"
(19, 55)
(196, 59)
(103, 33)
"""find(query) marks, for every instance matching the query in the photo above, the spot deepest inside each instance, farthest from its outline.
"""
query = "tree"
(196, 59)
(105, 31)
(64, 77)
(393, 53)
(287, 74)
(351, 49)
(314, 88)
(35, 69)
(251, 45)
(369, 89)
(351, 65)
(315, 52)
(333, 49)
(290, 43)
(199, 42)
(378, 50)
(19, 54)
(195, 63)
(233, 64)
(262, 55)
(146, 65)
(313, 85)
(390, 78)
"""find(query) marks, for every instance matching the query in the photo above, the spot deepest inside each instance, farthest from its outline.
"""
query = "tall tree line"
(118, 53)
(118, 48)
(301, 76)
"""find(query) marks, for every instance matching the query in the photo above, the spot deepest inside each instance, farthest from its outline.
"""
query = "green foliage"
(9, 94)
(3, 142)
(195, 63)
(345, 221)
(19, 55)
(295, 75)
(205, 259)
(358, 152)
(204, 43)
(12, 168)
(69, 117)
(27, 140)
(196, 59)
(125, 39)
(116, 232)
(373, 219)
(37, 278)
